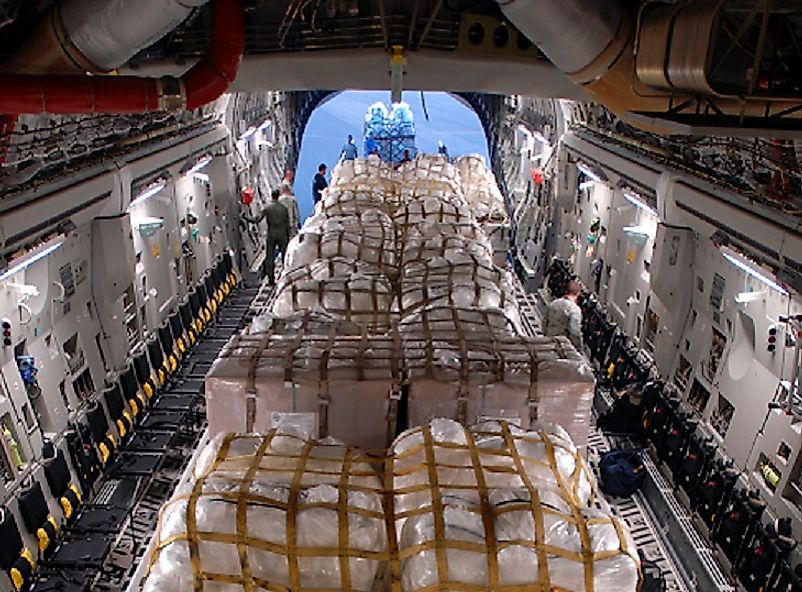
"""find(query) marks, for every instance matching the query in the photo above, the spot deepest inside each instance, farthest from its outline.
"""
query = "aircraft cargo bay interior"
(409, 296)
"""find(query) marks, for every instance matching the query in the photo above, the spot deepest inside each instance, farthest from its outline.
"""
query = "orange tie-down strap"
(428, 464)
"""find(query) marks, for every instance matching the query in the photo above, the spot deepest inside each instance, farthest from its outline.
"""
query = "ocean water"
(450, 121)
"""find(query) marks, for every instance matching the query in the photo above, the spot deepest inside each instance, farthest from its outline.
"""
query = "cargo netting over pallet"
(402, 308)
(486, 508)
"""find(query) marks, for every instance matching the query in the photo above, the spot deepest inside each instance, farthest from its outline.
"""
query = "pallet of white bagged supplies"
(340, 384)
(430, 209)
(359, 199)
(419, 247)
(273, 512)
(354, 291)
(497, 508)
(486, 509)
(369, 238)
(458, 282)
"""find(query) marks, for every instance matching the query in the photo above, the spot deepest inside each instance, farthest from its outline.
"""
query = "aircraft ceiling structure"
(163, 69)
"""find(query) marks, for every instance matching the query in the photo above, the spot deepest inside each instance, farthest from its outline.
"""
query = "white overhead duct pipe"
(96, 35)
(109, 32)
(593, 42)
(572, 33)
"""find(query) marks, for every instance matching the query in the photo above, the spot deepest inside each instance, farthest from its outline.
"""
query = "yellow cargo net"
(439, 472)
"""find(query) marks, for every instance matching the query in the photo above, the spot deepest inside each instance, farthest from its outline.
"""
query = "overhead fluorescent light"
(24, 289)
(539, 137)
(200, 165)
(265, 125)
(638, 231)
(742, 264)
(248, 133)
(30, 258)
(148, 193)
(746, 297)
(588, 172)
(638, 201)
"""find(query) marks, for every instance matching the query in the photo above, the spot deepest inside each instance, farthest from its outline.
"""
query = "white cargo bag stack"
(431, 209)
(460, 281)
(480, 189)
(356, 201)
(272, 512)
(348, 289)
(453, 247)
(497, 506)
(483, 197)
(369, 238)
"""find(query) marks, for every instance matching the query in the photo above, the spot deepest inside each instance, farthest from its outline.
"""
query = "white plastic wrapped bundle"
(449, 322)
(432, 167)
(466, 365)
(467, 502)
(307, 383)
(466, 230)
(499, 236)
(431, 209)
(455, 248)
(508, 457)
(480, 189)
(452, 266)
(454, 282)
(512, 555)
(369, 238)
(361, 171)
(270, 511)
(360, 198)
(313, 321)
(350, 290)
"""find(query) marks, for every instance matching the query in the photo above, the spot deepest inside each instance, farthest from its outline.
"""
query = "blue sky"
(449, 121)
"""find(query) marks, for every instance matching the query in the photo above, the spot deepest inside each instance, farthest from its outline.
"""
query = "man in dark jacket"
(278, 232)
(320, 183)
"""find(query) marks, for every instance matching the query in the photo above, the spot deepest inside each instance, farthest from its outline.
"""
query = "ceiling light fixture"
(742, 264)
(637, 231)
(588, 172)
(148, 193)
(30, 258)
(200, 165)
(638, 201)
(248, 133)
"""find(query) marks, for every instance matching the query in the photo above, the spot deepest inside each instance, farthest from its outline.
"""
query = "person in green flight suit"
(278, 231)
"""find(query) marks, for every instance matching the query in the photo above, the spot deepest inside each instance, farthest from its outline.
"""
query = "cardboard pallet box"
(341, 385)
(474, 367)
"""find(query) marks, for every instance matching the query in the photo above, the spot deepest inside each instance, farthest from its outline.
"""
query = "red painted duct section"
(204, 82)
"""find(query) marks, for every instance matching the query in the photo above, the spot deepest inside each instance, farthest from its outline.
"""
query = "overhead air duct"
(667, 70)
(79, 36)
(204, 82)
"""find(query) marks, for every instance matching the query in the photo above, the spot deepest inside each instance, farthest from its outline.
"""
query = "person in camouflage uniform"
(278, 232)
(564, 317)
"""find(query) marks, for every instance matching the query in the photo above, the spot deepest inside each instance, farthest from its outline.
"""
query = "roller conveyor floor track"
(109, 539)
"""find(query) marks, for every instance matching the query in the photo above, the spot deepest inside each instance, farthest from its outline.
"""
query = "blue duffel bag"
(622, 472)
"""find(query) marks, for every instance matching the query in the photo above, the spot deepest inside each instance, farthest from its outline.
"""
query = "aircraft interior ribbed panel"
(557, 352)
